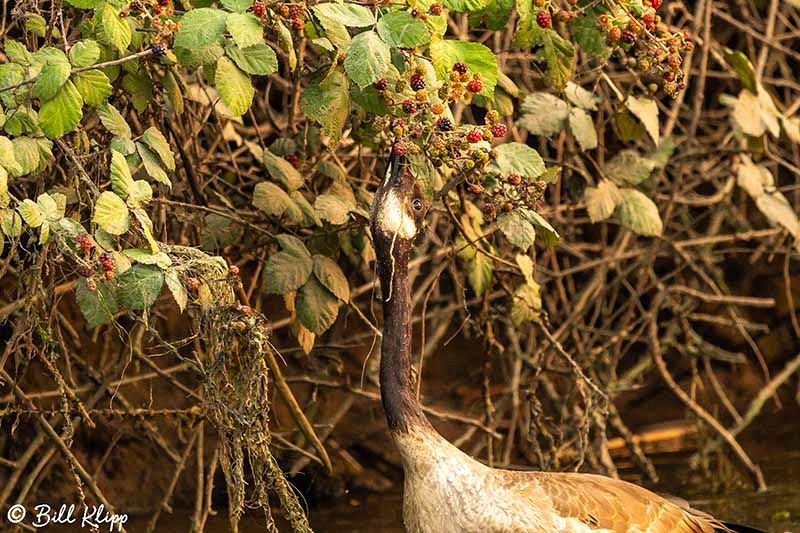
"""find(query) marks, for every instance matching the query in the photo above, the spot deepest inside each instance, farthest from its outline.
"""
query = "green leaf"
(367, 58)
(581, 97)
(31, 213)
(234, 86)
(52, 76)
(36, 24)
(7, 158)
(5, 199)
(113, 120)
(517, 229)
(147, 257)
(332, 208)
(93, 85)
(282, 171)
(479, 273)
(17, 52)
(177, 289)
(582, 127)
(743, 68)
(111, 214)
(465, 5)
(310, 217)
(288, 270)
(239, 6)
(403, 30)
(285, 38)
(61, 114)
(544, 230)
(518, 158)
(558, 52)
(352, 15)
(85, 4)
(245, 28)
(152, 165)
(98, 306)
(146, 226)
(753, 178)
(10, 223)
(639, 213)
(204, 55)
(331, 276)
(121, 180)
(153, 138)
(111, 29)
(629, 168)
(140, 87)
(219, 231)
(84, 53)
(316, 307)
(630, 128)
(526, 303)
(139, 286)
(328, 103)
(528, 33)
(271, 199)
(478, 58)
(141, 193)
(646, 110)
(589, 37)
(258, 59)
(26, 153)
(543, 114)
(200, 28)
(601, 201)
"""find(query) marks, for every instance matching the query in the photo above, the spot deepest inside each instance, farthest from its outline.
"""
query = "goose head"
(398, 209)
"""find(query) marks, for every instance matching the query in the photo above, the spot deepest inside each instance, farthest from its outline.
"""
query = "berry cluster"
(293, 14)
(84, 242)
(508, 195)
(108, 264)
(157, 13)
(656, 51)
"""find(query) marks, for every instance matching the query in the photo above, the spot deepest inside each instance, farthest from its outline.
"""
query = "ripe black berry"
(444, 124)
(381, 84)
(460, 67)
(158, 49)
(417, 82)
(628, 37)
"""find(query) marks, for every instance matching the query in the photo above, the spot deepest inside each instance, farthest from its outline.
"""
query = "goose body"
(446, 490)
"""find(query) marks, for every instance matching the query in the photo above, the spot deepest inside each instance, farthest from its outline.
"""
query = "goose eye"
(417, 204)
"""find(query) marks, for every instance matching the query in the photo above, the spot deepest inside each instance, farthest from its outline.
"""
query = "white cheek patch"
(394, 219)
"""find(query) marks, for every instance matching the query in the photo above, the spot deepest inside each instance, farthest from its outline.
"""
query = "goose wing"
(603, 503)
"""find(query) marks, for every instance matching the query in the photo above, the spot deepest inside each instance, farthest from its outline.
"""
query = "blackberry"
(158, 49)
(499, 130)
(409, 106)
(417, 82)
(444, 124)
(475, 86)
(259, 8)
(435, 9)
(628, 37)
(380, 85)
(460, 67)
(474, 136)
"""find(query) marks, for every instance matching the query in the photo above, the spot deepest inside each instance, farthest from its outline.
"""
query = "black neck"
(397, 389)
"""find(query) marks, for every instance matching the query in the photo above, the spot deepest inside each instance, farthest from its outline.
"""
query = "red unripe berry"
(164, 3)
(674, 61)
(615, 33)
(655, 3)
(193, 284)
(234, 270)
(460, 67)
(474, 136)
(84, 242)
(295, 12)
(259, 8)
(543, 19)
(499, 130)
(293, 159)
(475, 86)
(409, 106)
(649, 17)
(417, 82)
(156, 9)
(109, 274)
(298, 24)
(399, 148)
(435, 9)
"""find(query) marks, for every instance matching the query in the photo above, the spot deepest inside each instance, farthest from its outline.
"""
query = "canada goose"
(446, 490)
